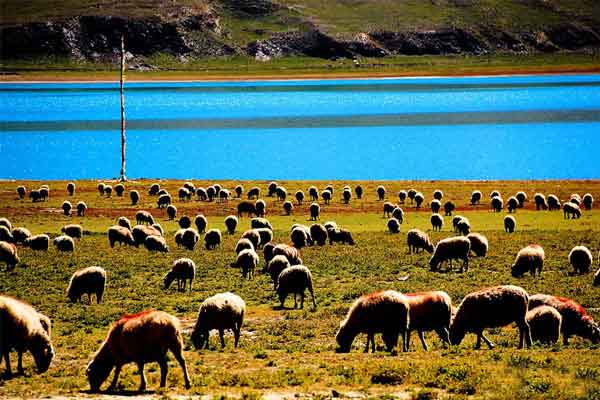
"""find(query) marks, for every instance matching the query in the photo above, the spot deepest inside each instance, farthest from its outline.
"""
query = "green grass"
(293, 351)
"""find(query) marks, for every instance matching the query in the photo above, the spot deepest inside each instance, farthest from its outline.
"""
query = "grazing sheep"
(540, 202)
(256, 223)
(492, 307)
(380, 192)
(553, 203)
(171, 211)
(201, 223)
(358, 190)
(521, 198)
(156, 243)
(141, 232)
(398, 214)
(253, 193)
(231, 223)
(419, 199)
(143, 217)
(370, 314)
(73, 230)
(437, 221)
(20, 234)
(288, 207)
(190, 186)
(120, 234)
(388, 208)
(463, 226)
(183, 270)
(429, 311)
(90, 280)
(330, 225)
(479, 244)
(448, 208)
(417, 239)
(21, 191)
(100, 189)
(476, 197)
(411, 195)
(266, 235)
(119, 189)
(35, 196)
(124, 222)
(276, 266)
(8, 255)
(435, 205)
(455, 220)
(71, 188)
(272, 189)
(184, 222)
(299, 197)
(108, 190)
(81, 209)
(329, 188)
(575, 320)
(318, 234)
(571, 210)
(6, 223)
(247, 261)
(495, 193)
(5, 235)
(291, 253)
(161, 192)
(211, 192)
(299, 237)
(512, 204)
(221, 311)
(326, 195)
(438, 195)
(141, 338)
(134, 196)
(313, 193)
(23, 329)
(393, 225)
(243, 244)
(201, 194)
(179, 237)
(544, 323)
(212, 239)
(588, 201)
(346, 196)
(529, 259)
(164, 200)
(315, 211)
(497, 204)
(340, 235)
(45, 193)
(224, 195)
(239, 190)
(510, 223)
(253, 236)
(64, 243)
(452, 248)
(189, 238)
(184, 194)
(281, 193)
(66, 207)
(154, 189)
(268, 253)
(575, 198)
(37, 242)
(260, 208)
(295, 280)
(402, 196)
(580, 258)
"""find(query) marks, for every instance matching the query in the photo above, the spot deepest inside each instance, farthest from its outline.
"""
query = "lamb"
(35, 196)
(418, 240)
(512, 204)
(239, 189)
(212, 239)
(435, 205)
(452, 248)
(260, 207)
(479, 244)
(475, 197)
(358, 190)
(5, 235)
(437, 221)
(8, 255)
(266, 235)
(253, 236)
(319, 234)
(184, 222)
(438, 195)
(243, 244)
(231, 223)
(141, 232)
(164, 200)
(156, 243)
(121, 235)
(295, 280)
(393, 225)
(201, 223)
(529, 259)
(588, 201)
(463, 226)
(521, 198)
(380, 192)
(580, 258)
(545, 324)
(288, 207)
(429, 311)
(64, 243)
(108, 190)
(119, 189)
(398, 213)
(497, 203)
(326, 195)
(72, 230)
(6, 223)
(134, 196)
(171, 211)
(388, 208)
(449, 207)
(37, 242)
(221, 311)
(67, 207)
(20, 234)
(492, 307)
(189, 238)
(540, 202)
(313, 193)
(256, 223)
(21, 191)
(315, 210)
(144, 217)
(339, 235)
(22, 329)
(81, 209)
(247, 261)
(571, 210)
(183, 270)
(142, 338)
(90, 280)
(370, 314)
(553, 203)
(575, 320)
(291, 253)
(276, 266)
(510, 224)
(402, 196)
(419, 199)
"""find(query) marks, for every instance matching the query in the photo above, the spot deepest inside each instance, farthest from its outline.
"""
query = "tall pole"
(123, 142)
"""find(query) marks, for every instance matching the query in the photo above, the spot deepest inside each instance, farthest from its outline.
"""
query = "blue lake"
(536, 127)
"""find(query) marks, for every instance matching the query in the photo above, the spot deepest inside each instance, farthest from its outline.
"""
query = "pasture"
(287, 352)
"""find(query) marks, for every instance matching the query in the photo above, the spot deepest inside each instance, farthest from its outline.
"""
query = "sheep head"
(457, 333)
(42, 351)
(99, 368)
(344, 338)
(169, 278)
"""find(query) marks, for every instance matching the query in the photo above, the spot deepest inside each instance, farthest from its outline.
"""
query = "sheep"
(120, 234)
(156, 243)
(35, 196)
(497, 204)
(393, 225)
(326, 195)
(315, 211)
(201, 222)
(90, 280)
(8, 255)
(66, 207)
(20, 234)
(141, 232)
(141, 338)
(266, 235)
(190, 186)
(463, 226)
(388, 208)
(479, 244)
(189, 238)
(81, 209)
(529, 259)
(21, 191)
(281, 193)
(340, 235)
(64, 243)
(37, 242)
(272, 189)
(134, 196)
(540, 202)
(201, 194)
(319, 234)
(212, 239)
(154, 189)
(183, 194)
(417, 239)
(243, 244)
(449, 207)
(492, 307)
(6, 223)
(276, 266)
(358, 190)
(253, 193)
(380, 192)
(545, 323)
(553, 203)
(402, 196)
(221, 311)
(119, 189)
(164, 200)
(179, 237)
(575, 198)
(211, 193)
(162, 191)
(571, 210)
(71, 188)
(371, 314)
(247, 261)
(301, 239)
(299, 197)
(455, 220)
(411, 193)
(171, 211)
(143, 217)
(260, 208)
(575, 320)
(291, 253)
(435, 205)
(295, 280)
(438, 195)
(346, 196)
(231, 223)
(5, 234)
(510, 223)
(588, 201)
(580, 259)
(72, 230)
(313, 193)
(512, 204)
(329, 188)
(224, 195)
(330, 225)
(256, 223)
(44, 193)
(521, 198)
(254, 236)
(288, 207)
(23, 329)
(475, 197)
(184, 222)
(419, 199)
(239, 190)
(437, 221)
(495, 193)
(452, 248)
(268, 253)
(108, 190)
(183, 270)
(100, 189)
(429, 311)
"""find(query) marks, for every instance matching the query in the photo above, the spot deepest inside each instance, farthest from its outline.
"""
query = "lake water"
(533, 127)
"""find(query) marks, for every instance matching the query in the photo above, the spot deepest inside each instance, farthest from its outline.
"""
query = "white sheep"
(393, 225)
(183, 270)
(581, 259)
(64, 243)
(479, 244)
(571, 210)
(277, 264)
(510, 223)
(8, 254)
(295, 280)
(545, 324)
(418, 240)
(73, 230)
(315, 211)
(156, 243)
(437, 221)
(243, 244)
(529, 259)
(289, 252)
(247, 261)
(37, 242)
(90, 280)
(221, 311)
(452, 248)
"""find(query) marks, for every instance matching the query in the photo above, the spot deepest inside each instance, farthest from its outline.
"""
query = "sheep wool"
(221, 311)
(90, 280)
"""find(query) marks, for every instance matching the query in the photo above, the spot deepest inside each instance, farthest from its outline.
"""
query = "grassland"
(288, 352)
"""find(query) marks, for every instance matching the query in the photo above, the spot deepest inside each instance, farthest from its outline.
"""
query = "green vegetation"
(293, 351)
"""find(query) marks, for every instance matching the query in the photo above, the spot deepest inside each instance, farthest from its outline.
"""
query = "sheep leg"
(565, 339)
(444, 334)
(191, 281)
(89, 298)
(113, 383)
(487, 341)
(164, 369)
(422, 337)
(142, 377)
(312, 295)
(20, 370)
(295, 300)
(6, 355)
(302, 300)
(221, 333)
(236, 335)
(369, 338)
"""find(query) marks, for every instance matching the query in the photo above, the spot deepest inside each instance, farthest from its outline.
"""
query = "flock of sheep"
(148, 336)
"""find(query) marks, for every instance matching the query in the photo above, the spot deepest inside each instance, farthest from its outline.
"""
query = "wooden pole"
(123, 142)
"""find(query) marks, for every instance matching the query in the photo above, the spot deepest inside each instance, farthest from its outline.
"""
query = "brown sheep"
(529, 259)
(121, 235)
(544, 322)
(8, 254)
(429, 311)
(90, 280)
(418, 240)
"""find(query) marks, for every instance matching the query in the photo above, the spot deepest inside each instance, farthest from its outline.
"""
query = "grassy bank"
(293, 351)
